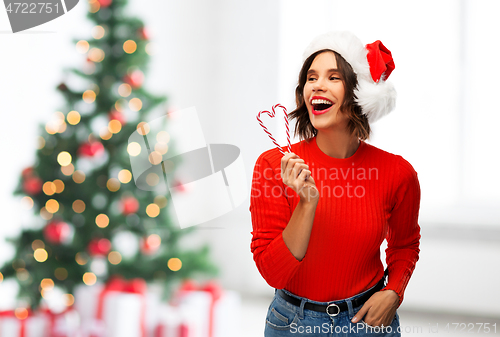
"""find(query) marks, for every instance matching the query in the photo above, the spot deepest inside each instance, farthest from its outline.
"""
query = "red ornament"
(32, 185)
(114, 114)
(99, 247)
(104, 3)
(129, 205)
(150, 244)
(143, 33)
(28, 172)
(57, 232)
(135, 79)
(91, 149)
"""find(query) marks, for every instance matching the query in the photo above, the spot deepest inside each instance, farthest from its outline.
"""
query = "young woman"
(321, 212)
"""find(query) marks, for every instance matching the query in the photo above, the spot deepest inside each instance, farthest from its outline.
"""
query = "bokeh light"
(47, 284)
(89, 278)
(161, 201)
(155, 157)
(78, 177)
(98, 32)
(125, 90)
(102, 221)
(96, 54)
(81, 258)
(89, 96)
(68, 169)
(154, 241)
(152, 179)
(82, 46)
(52, 206)
(105, 134)
(49, 188)
(143, 128)
(40, 255)
(22, 274)
(44, 214)
(114, 126)
(70, 299)
(113, 184)
(114, 257)
(73, 117)
(174, 264)
(124, 176)
(162, 137)
(27, 202)
(161, 148)
(59, 184)
(41, 143)
(21, 313)
(135, 104)
(134, 149)
(37, 244)
(61, 273)
(78, 206)
(129, 46)
(64, 158)
(153, 210)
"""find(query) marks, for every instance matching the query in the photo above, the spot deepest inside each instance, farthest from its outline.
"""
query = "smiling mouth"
(320, 106)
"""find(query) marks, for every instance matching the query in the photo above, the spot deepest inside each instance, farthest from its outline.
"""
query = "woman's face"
(324, 93)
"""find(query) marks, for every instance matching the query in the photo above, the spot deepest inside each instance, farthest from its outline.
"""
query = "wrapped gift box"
(33, 326)
(117, 309)
(208, 311)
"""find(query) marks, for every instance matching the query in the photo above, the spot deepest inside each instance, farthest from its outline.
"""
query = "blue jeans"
(286, 319)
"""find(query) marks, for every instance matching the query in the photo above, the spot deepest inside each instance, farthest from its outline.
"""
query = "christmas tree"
(89, 215)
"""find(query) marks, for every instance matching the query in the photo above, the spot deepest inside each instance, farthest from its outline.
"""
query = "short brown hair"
(358, 122)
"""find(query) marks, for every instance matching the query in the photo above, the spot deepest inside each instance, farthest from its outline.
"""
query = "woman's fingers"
(297, 169)
(290, 165)
(285, 158)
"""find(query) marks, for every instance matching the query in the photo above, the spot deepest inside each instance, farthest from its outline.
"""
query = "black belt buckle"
(333, 306)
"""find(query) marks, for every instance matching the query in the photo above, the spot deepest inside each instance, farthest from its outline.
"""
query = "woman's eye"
(311, 79)
(333, 78)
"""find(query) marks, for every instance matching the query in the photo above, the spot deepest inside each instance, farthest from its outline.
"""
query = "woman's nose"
(319, 85)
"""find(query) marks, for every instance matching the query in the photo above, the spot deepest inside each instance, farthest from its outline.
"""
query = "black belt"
(332, 309)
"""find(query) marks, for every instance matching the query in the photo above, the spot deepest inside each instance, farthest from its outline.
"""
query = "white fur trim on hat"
(376, 99)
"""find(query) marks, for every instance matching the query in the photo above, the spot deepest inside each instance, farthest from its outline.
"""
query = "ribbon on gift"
(53, 330)
(22, 322)
(213, 289)
(182, 330)
(118, 284)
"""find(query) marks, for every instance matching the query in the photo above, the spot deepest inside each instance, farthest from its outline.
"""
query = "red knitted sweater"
(366, 198)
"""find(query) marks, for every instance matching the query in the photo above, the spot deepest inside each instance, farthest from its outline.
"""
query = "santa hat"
(372, 64)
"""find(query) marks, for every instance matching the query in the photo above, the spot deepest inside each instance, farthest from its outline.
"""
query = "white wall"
(232, 59)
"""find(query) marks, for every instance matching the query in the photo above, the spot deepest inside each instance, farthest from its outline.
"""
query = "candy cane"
(272, 114)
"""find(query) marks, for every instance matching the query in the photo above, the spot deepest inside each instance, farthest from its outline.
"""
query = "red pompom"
(91, 149)
(135, 79)
(380, 61)
(99, 247)
(57, 232)
(32, 185)
(129, 205)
